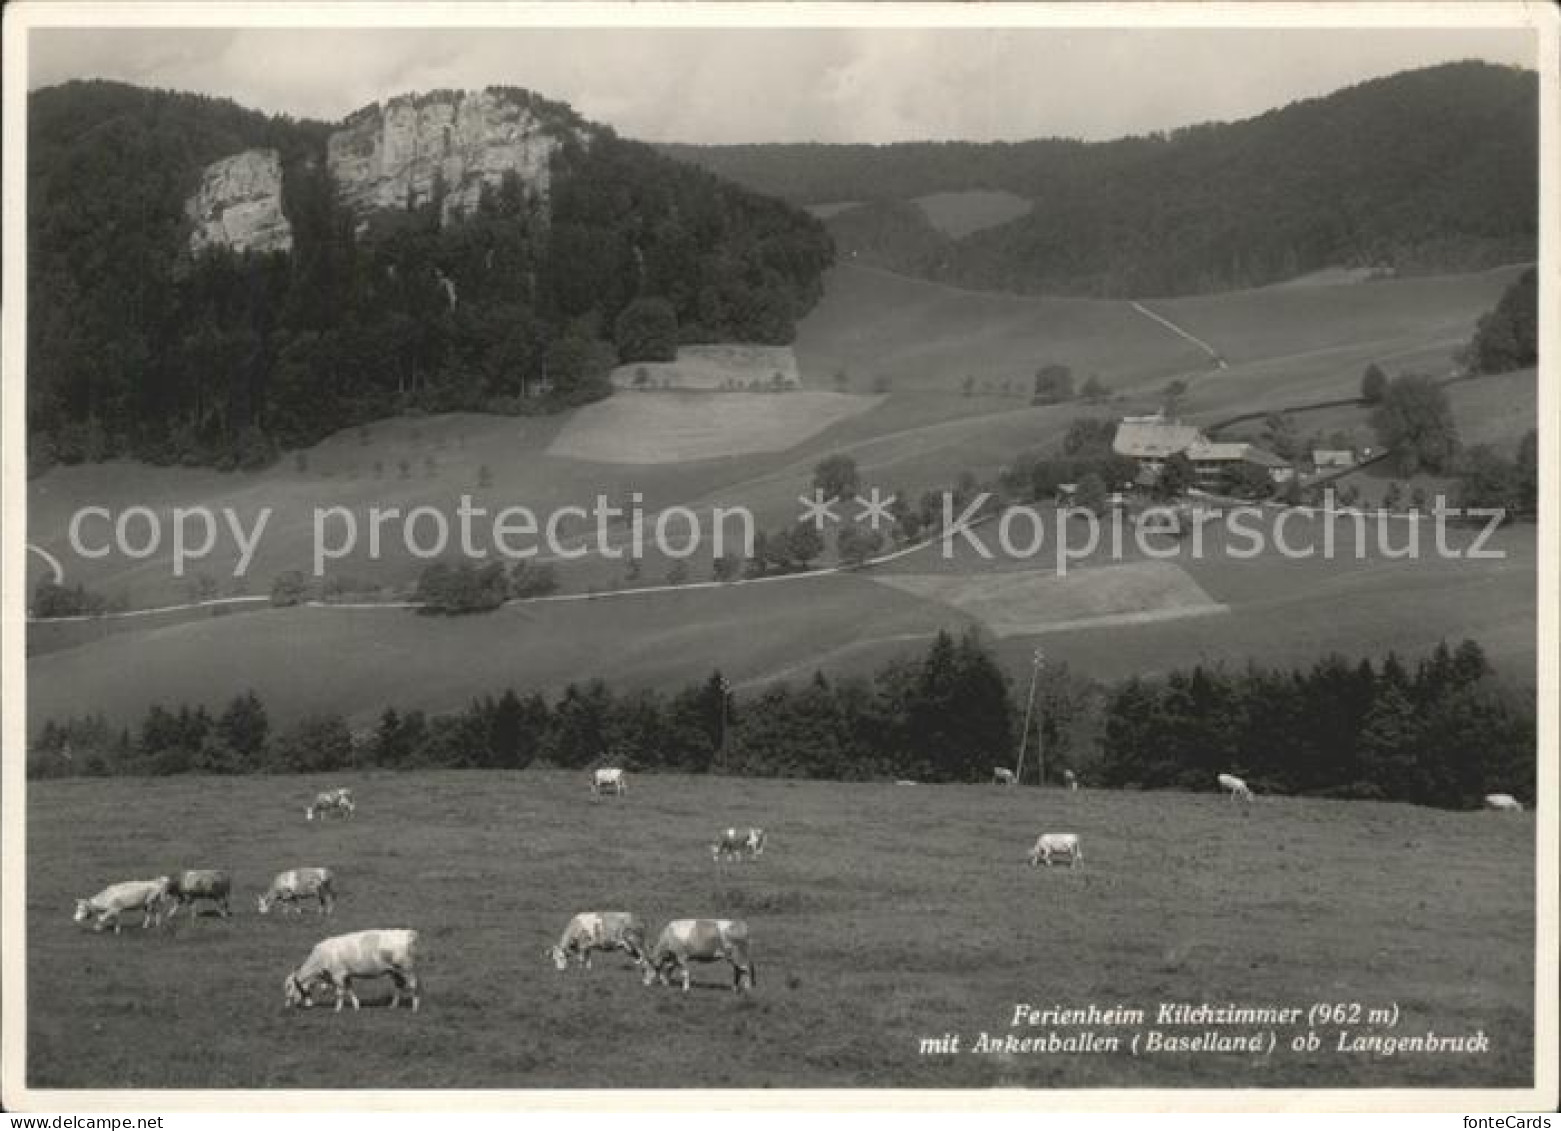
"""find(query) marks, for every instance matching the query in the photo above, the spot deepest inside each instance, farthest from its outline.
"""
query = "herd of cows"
(336, 962)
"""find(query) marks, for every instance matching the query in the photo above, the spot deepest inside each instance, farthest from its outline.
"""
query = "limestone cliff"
(239, 204)
(404, 150)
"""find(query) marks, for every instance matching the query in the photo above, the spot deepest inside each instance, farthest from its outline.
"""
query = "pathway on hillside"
(1180, 332)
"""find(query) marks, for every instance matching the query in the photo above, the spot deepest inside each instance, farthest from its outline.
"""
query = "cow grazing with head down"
(599, 930)
(149, 897)
(336, 962)
(1234, 786)
(737, 844)
(1503, 802)
(297, 884)
(1002, 775)
(609, 780)
(1056, 844)
(210, 884)
(338, 801)
(700, 940)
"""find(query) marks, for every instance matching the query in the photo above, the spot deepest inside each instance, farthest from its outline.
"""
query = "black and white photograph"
(896, 550)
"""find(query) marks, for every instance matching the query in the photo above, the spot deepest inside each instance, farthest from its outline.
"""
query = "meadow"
(880, 915)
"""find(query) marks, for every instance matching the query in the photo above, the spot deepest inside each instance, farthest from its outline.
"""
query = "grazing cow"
(146, 896)
(1057, 844)
(736, 843)
(609, 781)
(206, 883)
(1002, 775)
(599, 930)
(1235, 787)
(336, 961)
(905, 781)
(1504, 802)
(337, 801)
(700, 940)
(1070, 779)
(297, 884)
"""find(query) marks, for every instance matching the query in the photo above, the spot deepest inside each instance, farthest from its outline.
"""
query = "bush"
(527, 580)
(464, 588)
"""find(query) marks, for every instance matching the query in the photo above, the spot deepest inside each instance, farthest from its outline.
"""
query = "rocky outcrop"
(239, 204)
(452, 143)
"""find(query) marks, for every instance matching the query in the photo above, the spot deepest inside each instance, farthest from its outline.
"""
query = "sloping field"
(377, 657)
(1281, 611)
(957, 214)
(1024, 603)
(879, 915)
(1282, 321)
(926, 337)
(679, 428)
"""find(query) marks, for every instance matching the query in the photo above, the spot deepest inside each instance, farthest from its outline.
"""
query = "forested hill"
(147, 339)
(1434, 169)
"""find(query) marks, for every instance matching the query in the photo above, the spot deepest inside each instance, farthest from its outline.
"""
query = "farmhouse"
(1151, 440)
(1213, 461)
(1330, 459)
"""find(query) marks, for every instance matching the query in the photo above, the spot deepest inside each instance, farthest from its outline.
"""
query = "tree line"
(137, 348)
(1443, 732)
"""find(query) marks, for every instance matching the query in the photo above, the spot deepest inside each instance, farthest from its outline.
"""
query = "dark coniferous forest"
(137, 347)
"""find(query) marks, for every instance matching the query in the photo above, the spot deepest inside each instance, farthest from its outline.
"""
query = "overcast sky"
(730, 85)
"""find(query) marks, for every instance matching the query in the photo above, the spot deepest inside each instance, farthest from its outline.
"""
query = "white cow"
(1002, 775)
(736, 843)
(700, 940)
(298, 884)
(337, 801)
(1070, 779)
(146, 896)
(1057, 844)
(209, 884)
(1504, 802)
(1234, 786)
(335, 962)
(599, 930)
(609, 780)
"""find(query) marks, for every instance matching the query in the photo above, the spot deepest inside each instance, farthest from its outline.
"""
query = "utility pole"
(1037, 661)
(726, 693)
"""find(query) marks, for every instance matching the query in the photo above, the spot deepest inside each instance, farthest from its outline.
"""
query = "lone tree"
(1373, 384)
(837, 477)
(1415, 420)
(1094, 389)
(1053, 384)
(855, 544)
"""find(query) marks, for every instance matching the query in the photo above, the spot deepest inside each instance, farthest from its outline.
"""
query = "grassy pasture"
(1281, 610)
(880, 915)
(958, 214)
(675, 427)
(927, 338)
(1285, 321)
(1024, 602)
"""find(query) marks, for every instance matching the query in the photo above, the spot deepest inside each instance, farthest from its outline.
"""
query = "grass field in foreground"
(880, 915)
